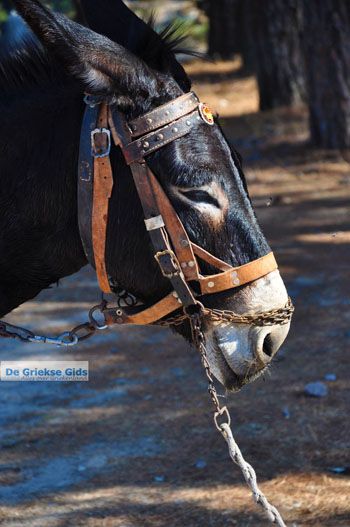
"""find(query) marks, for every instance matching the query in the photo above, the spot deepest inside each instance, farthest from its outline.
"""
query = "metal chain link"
(278, 316)
(222, 420)
(66, 340)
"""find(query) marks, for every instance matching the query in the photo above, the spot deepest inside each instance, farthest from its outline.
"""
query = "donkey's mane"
(171, 37)
(31, 65)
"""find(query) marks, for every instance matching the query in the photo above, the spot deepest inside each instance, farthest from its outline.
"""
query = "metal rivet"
(175, 294)
(236, 281)
(184, 265)
(191, 263)
(188, 123)
(175, 130)
(184, 243)
(150, 121)
(234, 275)
(145, 144)
(211, 284)
(160, 137)
(198, 118)
(167, 112)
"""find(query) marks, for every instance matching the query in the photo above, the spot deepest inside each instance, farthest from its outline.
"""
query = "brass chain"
(279, 316)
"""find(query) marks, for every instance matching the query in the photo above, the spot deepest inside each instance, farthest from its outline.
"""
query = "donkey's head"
(201, 175)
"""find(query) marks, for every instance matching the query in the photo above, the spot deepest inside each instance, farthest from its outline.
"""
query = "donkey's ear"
(103, 66)
(116, 21)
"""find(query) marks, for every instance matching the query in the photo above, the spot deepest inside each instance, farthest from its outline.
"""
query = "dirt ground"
(136, 446)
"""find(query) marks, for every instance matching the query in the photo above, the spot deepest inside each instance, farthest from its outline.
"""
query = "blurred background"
(136, 446)
(298, 50)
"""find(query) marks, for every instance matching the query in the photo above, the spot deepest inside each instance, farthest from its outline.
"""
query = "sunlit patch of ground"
(136, 446)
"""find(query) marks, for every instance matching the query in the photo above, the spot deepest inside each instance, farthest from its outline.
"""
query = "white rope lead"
(250, 476)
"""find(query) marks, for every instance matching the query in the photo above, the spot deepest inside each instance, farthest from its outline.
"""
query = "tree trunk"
(223, 41)
(327, 52)
(276, 26)
(246, 36)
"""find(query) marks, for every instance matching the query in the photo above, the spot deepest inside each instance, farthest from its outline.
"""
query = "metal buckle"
(97, 151)
(172, 261)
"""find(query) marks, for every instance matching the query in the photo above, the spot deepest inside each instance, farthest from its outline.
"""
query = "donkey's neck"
(39, 235)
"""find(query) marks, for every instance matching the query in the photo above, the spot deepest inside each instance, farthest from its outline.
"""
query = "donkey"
(42, 87)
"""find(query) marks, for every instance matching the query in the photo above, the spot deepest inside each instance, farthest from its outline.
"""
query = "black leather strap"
(86, 181)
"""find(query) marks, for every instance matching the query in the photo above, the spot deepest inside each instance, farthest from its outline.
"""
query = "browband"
(176, 255)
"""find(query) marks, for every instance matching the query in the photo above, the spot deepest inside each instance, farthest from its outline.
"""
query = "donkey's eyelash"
(200, 196)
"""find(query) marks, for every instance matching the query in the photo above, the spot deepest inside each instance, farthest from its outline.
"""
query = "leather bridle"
(176, 255)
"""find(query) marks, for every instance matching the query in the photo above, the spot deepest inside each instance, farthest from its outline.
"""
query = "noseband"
(176, 255)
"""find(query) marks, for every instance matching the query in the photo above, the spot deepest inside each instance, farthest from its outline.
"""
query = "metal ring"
(95, 322)
(220, 413)
(73, 339)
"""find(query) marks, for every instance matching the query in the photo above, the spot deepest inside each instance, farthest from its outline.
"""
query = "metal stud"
(175, 130)
(184, 265)
(211, 284)
(150, 121)
(146, 144)
(160, 137)
(188, 123)
(191, 263)
(235, 278)
(167, 112)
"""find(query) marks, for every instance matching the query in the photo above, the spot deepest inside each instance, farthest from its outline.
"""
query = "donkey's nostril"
(268, 347)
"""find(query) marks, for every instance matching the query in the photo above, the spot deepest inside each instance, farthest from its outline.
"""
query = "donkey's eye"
(200, 196)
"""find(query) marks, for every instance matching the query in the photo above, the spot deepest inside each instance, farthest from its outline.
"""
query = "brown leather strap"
(139, 149)
(238, 276)
(176, 230)
(165, 256)
(148, 315)
(103, 185)
(165, 114)
(210, 259)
